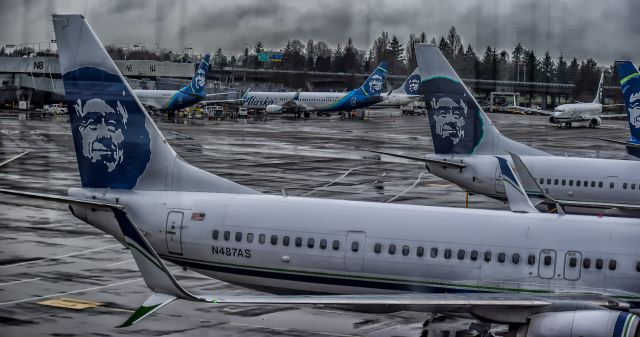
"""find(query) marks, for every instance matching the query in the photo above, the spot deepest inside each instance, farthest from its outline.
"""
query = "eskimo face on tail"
(454, 119)
(102, 131)
(412, 85)
(109, 129)
(200, 78)
(634, 109)
(449, 117)
(375, 84)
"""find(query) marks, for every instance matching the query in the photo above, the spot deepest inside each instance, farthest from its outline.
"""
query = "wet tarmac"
(61, 277)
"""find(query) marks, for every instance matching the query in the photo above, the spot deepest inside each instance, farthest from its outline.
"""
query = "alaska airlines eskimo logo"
(634, 109)
(102, 131)
(200, 78)
(375, 84)
(111, 140)
(449, 118)
(413, 84)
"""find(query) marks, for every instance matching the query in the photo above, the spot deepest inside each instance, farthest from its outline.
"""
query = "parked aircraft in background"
(544, 275)
(408, 93)
(466, 143)
(567, 114)
(173, 100)
(320, 102)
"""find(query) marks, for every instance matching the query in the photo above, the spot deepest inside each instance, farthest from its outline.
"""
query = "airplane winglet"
(151, 305)
(155, 274)
(523, 171)
(516, 195)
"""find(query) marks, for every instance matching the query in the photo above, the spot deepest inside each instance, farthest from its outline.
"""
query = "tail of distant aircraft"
(117, 144)
(458, 123)
(199, 78)
(598, 98)
(374, 83)
(411, 85)
(630, 84)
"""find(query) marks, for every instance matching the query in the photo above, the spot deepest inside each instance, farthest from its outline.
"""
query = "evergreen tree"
(572, 71)
(488, 70)
(454, 41)
(547, 68)
(257, 51)
(517, 59)
(350, 59)
(219, 59)
(471, 63)
(310, 60)
(561, 70)
(396, 61)
(445, 48)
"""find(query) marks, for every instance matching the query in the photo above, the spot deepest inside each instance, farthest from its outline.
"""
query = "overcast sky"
(604, 30)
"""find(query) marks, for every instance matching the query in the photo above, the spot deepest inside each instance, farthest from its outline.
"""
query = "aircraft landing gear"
(567, 125)
(307, 114)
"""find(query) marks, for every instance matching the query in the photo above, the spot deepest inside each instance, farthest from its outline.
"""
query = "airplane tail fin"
(117, 144)
(458, 123)
(630, 84)
(197, 85)
(411, 85)
(598, 98)
(374, 83)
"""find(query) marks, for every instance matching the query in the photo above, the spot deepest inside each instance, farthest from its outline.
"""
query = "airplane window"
(593, 184)
(611, 185)
(249, 237)
(298, 241)
(434, 252)
(585, 184)
(285, 241)
(227, 235)
(461, 254)
(447, 253)
(323, 244)
(570, 182)
(354, 246)
(531, 259)
(555, 181)
(548, 181)
(420, 251)
(573, 262)
(624, 186)
(586, 263)
(474, 255)
(638, 266)
(502, 257)
(541, 181)
(238, 236)
(600, 184)
(515, 258)
(633, 186)
(612, 264)
(578, 183)
(274, 240)
(405, 250)
(335, 245)
(547, 260)
(599, 263)
(311, 242)
(377, 248)
(392, 249)
(215, 234)
(564, 182)
(487, 256)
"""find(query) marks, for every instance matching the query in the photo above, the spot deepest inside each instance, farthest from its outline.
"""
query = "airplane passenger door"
(499, 184)
(572, 265)
(547, 264)
(354, 251)
(174, 232)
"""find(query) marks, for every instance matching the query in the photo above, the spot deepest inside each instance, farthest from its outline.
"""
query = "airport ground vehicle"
(54, 109)
(215, 112)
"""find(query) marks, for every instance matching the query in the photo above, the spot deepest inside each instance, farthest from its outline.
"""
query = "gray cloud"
(582, 28)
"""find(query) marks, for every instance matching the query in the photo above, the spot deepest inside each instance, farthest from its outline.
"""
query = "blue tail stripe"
(630, 85)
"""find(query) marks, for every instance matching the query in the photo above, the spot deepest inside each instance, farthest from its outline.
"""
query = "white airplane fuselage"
(166, 99)
(396, 100)
(312, 101)
(577, 112)
(421, 249)
(607, 180)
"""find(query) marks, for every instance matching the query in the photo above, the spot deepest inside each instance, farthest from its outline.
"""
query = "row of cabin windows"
(273, 239)
(583, 183)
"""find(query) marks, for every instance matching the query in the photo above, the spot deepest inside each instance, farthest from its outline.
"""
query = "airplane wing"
(532, 110)
(605, 116)
(220, 101)
(421, 159)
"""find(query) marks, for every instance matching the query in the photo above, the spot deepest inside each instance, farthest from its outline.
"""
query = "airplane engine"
(552, 120)
(274, 108)
(595, 122)
(588, 323)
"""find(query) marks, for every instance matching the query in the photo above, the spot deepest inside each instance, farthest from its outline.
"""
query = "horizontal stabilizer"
(63, 199)
(421, 159)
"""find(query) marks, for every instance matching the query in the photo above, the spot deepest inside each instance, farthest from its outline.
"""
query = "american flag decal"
(197, 216)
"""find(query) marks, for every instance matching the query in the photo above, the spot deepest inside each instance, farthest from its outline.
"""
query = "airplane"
(321, 102)
(173, 100)
(567, 114)
(630, 85)
(465, 143)
(542, 274)
(408, 93)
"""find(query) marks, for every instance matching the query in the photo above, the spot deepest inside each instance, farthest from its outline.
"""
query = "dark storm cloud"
(581, 28)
